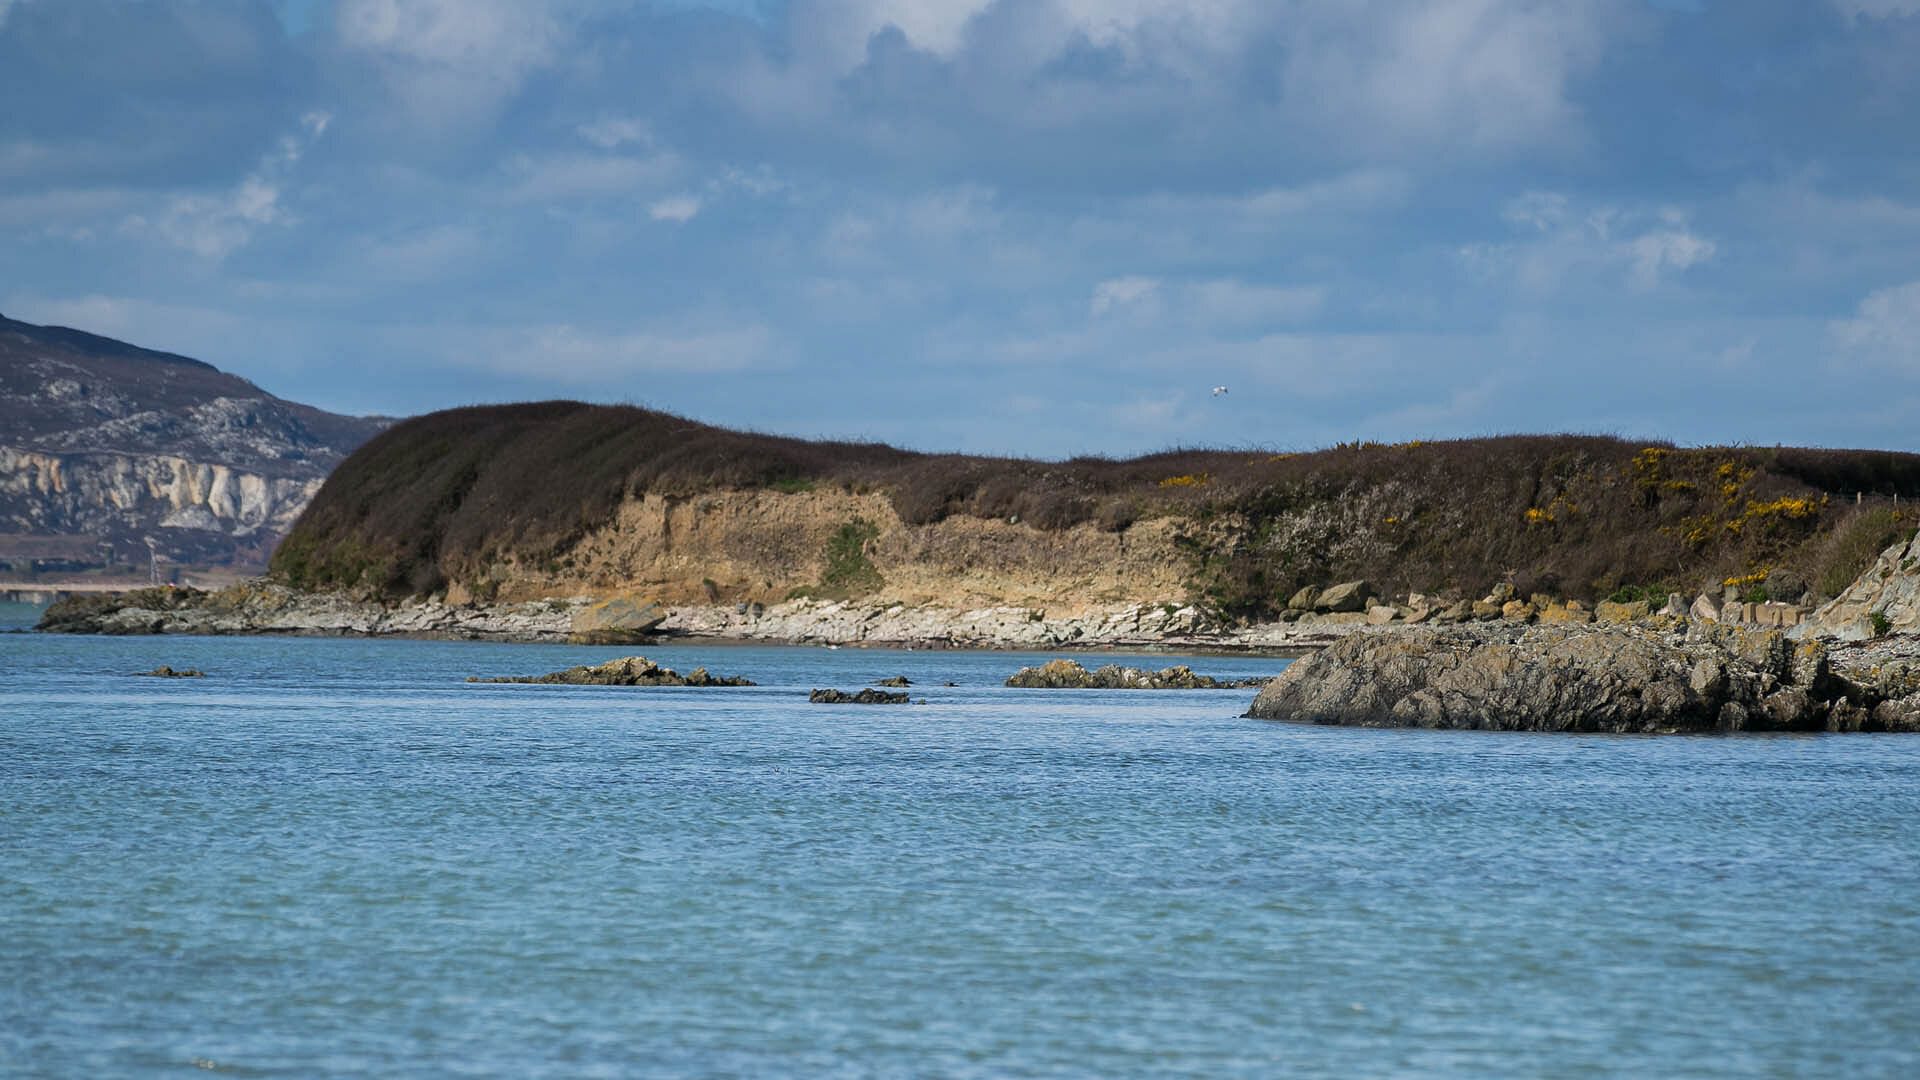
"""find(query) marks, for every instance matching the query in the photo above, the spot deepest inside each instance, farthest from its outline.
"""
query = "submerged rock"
(165, 672)
(627, 671)
(1568, 678)
(864, 697)
(1069, 675)
(897, 680)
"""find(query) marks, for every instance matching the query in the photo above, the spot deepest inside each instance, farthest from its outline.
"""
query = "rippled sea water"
(333, 857)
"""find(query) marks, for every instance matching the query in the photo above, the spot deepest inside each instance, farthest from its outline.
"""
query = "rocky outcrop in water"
(166, 672)
(627, 671)
(863, 697)
(1604, 678)
(1070, 675)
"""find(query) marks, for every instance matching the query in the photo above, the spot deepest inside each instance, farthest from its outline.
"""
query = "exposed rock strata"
(1608, 678)
(1889, 589)
(121, 446)
(1070, 675)
(627, 671)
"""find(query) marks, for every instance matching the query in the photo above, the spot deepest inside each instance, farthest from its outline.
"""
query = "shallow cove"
(334, 857)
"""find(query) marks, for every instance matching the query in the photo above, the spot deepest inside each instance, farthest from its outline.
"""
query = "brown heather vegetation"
(441, 497)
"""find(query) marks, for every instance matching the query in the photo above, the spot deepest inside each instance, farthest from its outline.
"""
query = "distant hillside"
(561, 498)
(104, 445)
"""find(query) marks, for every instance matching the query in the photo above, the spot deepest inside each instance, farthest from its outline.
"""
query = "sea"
(335, 857)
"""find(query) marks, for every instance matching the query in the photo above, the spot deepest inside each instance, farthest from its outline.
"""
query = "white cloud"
(214, 226)
(1123, 293)
(1418, 74)
(561, 177)
(941, 26)
(1878, 9)
(1562, 240)
(451, 62)
(678, 209)
(1367, 189)
(1885, 328)
(1388, 79)
(1661, 250)
(612, 132)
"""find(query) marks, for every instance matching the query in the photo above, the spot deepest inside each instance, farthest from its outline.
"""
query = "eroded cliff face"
(126, 448)
(86, 493)
(765, 546)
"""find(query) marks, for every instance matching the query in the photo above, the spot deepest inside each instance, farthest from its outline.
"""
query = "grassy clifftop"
(453, 496)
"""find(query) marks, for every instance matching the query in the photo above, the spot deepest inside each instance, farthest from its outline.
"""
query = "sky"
(1044, 227)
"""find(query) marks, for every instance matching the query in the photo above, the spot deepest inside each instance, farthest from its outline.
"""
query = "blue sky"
(1047, 227)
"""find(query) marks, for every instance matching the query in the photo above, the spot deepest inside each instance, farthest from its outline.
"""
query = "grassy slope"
(438, 497)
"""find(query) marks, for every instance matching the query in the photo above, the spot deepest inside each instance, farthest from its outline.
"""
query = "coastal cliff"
(561, 500)
(110, 453)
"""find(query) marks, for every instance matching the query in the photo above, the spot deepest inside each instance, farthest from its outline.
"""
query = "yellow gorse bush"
(1186, 480)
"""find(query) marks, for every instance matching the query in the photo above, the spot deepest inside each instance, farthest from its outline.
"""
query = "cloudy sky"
(1009, 226)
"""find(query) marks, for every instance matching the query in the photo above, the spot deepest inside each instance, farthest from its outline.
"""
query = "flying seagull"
(1219, 391)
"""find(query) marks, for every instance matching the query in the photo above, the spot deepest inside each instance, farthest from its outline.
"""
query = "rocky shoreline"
(260, 607)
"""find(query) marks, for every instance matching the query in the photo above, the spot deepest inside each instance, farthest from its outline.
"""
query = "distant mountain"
(110, 453)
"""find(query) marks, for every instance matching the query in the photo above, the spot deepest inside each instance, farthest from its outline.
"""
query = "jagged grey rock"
(1561, 678)
(864, 697)
(1890, 588)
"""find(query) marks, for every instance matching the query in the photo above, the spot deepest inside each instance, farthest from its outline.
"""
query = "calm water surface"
(336, 858)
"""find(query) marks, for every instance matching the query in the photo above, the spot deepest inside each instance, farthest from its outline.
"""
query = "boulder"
(1457, 612)
(1609, 611)
(1303, 599)
(1381, 615)
(1569, 612)
(1518, 611)
(1501, 593)
(1704, 609)
(1415, 614)
(1350, 596)
(627, 671)
(1486, 610)
(1674, 607)
(620, 621)
(1566, 678)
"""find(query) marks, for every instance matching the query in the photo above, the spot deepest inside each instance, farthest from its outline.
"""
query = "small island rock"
(627, 671)
(864, 697)
(1070, 675)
